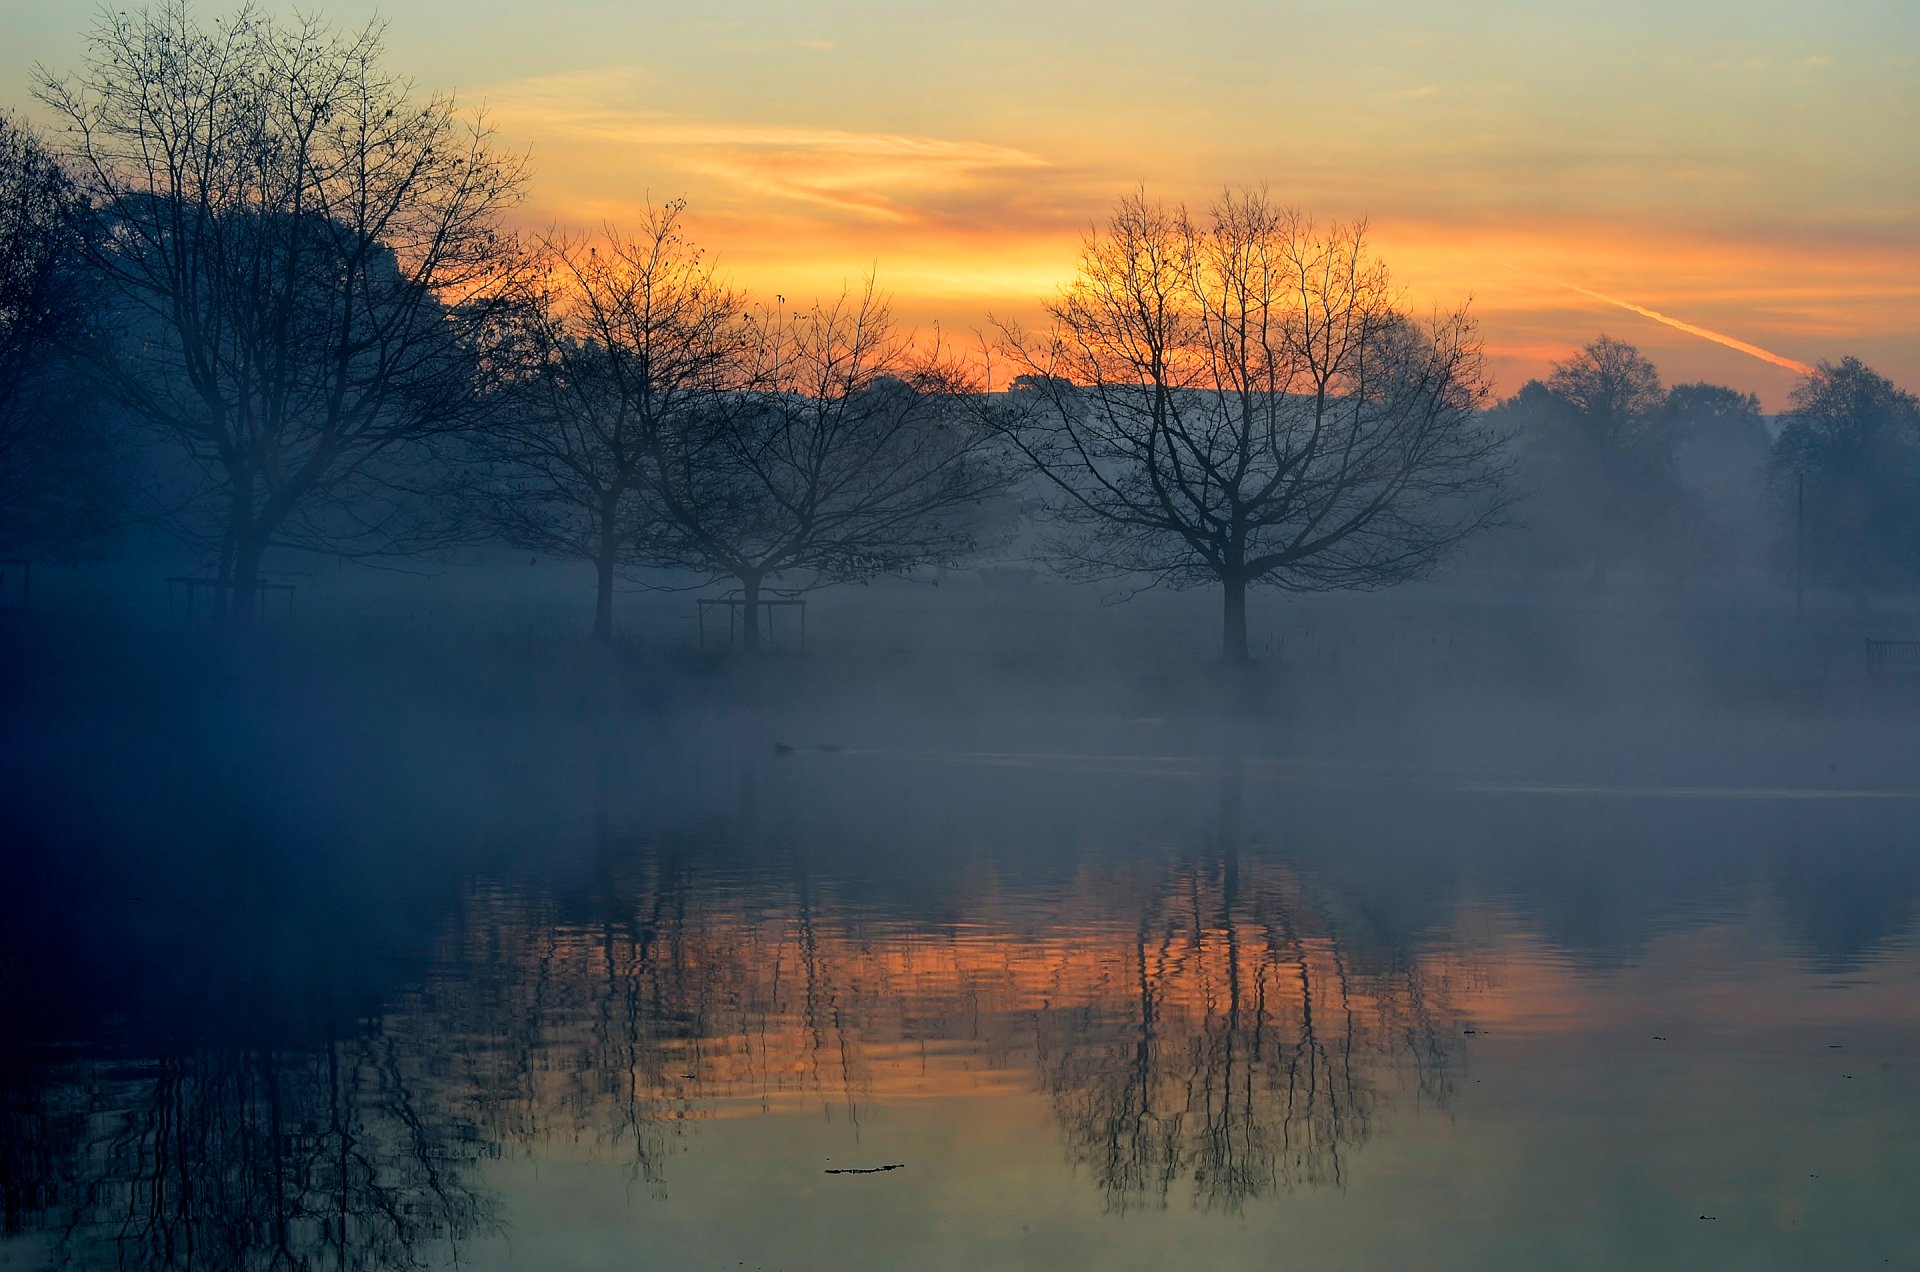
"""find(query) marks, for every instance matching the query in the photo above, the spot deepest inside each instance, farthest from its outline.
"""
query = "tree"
(632, 342)
(1241, 399)
(1714, 415)
(1846, 474)
(1612, 397)
(1722, 444)
(845, 454)
(54, 457)
(1600, 454)
(307, 262)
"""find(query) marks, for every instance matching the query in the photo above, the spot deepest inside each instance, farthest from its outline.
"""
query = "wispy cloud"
(572, 95)
(874, 174)
(881, 175)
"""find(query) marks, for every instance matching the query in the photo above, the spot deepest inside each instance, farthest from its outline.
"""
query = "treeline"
(256, 289)
(1624, 474)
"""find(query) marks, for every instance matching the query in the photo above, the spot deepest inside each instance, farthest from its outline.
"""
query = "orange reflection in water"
(1213, 1028)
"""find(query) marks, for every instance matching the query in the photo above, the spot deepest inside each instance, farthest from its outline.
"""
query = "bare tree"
(848, 456)
(307, 258)
(1242, 399)
(634, 338)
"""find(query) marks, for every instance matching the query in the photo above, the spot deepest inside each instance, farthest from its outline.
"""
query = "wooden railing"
(1892, 655)
(734, 603)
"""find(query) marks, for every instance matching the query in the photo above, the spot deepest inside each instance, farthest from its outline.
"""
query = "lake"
(771, 1000)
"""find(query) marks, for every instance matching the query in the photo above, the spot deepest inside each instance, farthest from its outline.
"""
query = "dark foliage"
(57, 487)
(1846, 480)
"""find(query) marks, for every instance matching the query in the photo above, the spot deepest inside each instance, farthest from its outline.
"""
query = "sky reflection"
(1189, 1018)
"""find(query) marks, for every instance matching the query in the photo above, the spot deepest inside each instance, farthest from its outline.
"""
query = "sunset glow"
(1719, 338)
(1748, 187)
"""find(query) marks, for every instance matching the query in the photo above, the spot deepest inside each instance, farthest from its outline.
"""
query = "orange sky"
(1746, 168)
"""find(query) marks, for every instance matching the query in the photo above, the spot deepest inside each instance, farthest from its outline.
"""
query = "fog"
(354, 935)
(993, 875)
(516, 751)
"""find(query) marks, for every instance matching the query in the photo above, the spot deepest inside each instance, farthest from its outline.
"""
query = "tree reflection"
(560, 1027)
(250, 1157)
(196, 1072)
(1203, 1024)
(1248, 1053)
(1201, 1021)
(618, 1016)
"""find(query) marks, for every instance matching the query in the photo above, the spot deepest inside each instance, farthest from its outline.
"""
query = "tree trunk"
(604, 564)
(1233, 644)
(603, 600)
(243, 597)
(750, 613)
(223, 578)
(236, 535)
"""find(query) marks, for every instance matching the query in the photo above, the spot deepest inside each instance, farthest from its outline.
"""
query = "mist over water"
(1402, 948)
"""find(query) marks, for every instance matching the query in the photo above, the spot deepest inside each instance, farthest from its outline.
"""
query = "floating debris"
(865, 1170)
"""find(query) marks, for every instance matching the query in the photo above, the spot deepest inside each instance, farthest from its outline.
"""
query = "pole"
(1799, 545)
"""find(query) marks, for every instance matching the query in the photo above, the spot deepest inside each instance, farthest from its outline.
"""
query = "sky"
(1747, 170)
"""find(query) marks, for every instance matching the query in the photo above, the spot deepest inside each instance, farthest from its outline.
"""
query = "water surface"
(964, 1008)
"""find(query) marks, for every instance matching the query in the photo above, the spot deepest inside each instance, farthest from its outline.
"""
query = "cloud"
(882, 175)
(887, 176)
(963, 217)
(572, 96)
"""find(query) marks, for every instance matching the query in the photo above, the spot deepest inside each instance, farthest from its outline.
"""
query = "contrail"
(1751, 350)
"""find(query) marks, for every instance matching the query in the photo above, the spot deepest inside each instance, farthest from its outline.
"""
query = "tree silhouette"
(629, 346)
(1240, 399)
(846, 455)
(1600, 446)
(1850, 445)
(1612, 398)
(56, 469)
(1723, 447)
(306, 264)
